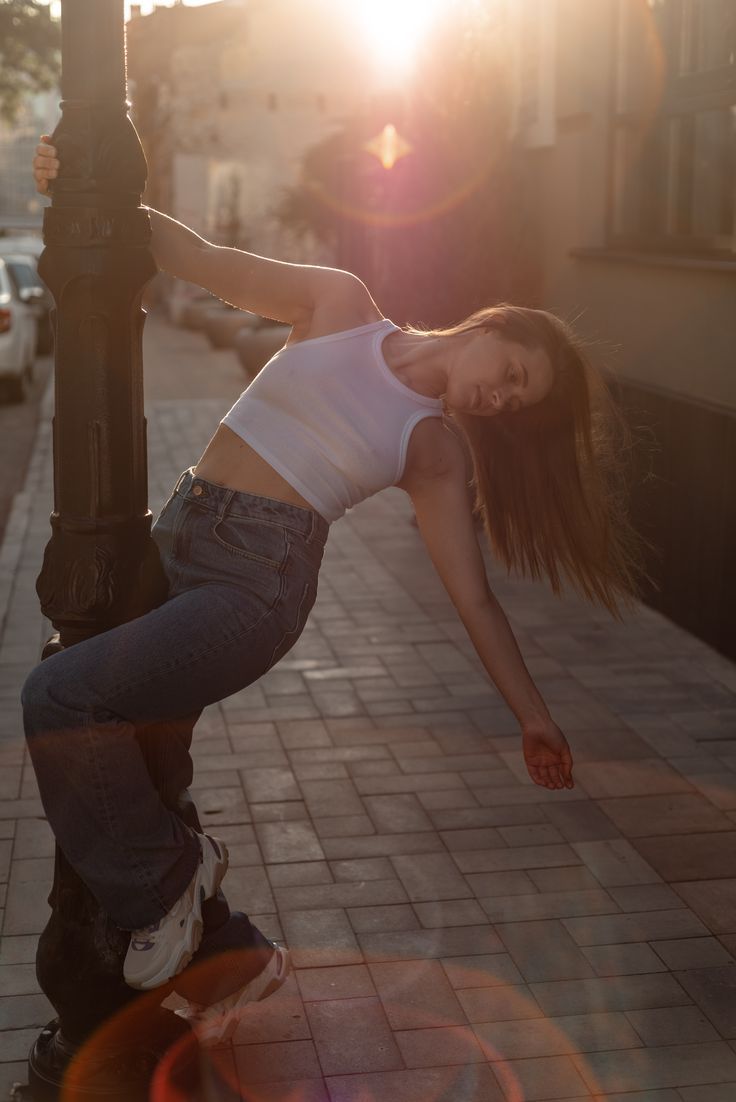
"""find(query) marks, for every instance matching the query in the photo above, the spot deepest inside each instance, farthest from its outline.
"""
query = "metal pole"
(100, 565)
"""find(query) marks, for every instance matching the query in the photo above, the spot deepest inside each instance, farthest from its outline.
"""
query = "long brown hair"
(550, 479)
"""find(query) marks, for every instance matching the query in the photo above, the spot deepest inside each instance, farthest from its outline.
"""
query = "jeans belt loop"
(227, 498)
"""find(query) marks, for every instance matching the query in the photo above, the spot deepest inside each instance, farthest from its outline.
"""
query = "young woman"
(351, 404)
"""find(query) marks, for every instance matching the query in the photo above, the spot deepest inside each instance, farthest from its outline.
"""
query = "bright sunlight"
(393, 29)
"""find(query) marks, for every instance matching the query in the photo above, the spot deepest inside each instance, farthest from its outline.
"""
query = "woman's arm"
(273, 289)
(440, 499)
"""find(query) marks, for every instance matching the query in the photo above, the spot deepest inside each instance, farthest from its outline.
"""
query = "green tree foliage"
(29, 53)
(447, 229)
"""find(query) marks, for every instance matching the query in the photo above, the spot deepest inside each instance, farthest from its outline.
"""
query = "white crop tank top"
(331, 417)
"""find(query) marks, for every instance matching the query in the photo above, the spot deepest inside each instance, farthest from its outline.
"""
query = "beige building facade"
(626, 110)
(227, 98)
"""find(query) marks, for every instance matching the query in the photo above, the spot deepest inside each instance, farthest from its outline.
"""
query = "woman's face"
(488, 374)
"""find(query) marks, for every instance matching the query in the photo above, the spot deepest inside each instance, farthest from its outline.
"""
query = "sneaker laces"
(143, 939)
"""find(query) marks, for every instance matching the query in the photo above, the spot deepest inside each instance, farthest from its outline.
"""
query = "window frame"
(685, 96)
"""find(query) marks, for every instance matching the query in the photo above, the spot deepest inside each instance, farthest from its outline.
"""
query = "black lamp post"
(101, 566)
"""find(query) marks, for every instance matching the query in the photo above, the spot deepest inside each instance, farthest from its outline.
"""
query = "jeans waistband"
(225, 502)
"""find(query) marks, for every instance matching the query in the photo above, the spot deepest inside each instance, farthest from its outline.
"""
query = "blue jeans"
(242, 573)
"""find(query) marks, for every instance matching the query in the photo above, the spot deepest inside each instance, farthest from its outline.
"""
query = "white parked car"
(23, 270)
(18, 335)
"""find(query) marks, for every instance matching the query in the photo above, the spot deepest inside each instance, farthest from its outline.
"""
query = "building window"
(674, 135)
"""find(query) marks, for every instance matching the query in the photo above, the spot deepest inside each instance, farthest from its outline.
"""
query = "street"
(18, 423)
(457, 932)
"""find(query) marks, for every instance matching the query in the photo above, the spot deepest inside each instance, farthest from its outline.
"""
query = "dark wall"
(684, 503)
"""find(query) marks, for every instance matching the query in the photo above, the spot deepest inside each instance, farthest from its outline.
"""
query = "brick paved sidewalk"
(458, 933)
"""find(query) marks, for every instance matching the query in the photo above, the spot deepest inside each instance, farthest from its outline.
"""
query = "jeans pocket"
(252, 539)
(309, 592)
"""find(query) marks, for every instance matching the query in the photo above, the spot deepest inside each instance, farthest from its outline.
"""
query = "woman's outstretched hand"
(547, 755)
(45, 165)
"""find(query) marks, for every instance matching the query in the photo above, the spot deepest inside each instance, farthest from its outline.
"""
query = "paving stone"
(669, 1025)
(530, 835)
(521, 857)
(514, 1040)
(416, 994)
(301, 872)
(352, 1035)
(499, 884)
(288, 842)
(429, 944)
(691, 857)
(18, 979)
(281, 1018)
(15, 1044)
(343, 826)
(459, 840)
(468, 816)
(27, 910)
(33, 838)
(642, 777)
(521, 908)
(609, 993)
(462, 1083)
(392, 814)
(267, 784)
(248, 890)
(431, 877)
(581, 822)
(666, 1095)
(671, 1065)
(572, 879)
(482, 970)
(435, 1047)
(644, 926)
(373, 919)
(646, 897)
(679, 813)
(615, 862)
(499, 1003)
(692, 952)
(351, 981)
(543, 1078)
(325, 798)
(453, 912)
(362, 868)
(714, 1092)
(712, 900)
(381, 845)
(318, 938)
(347, 894)
(18, 950)
(452, 799)
(714, 991)
(543, 950)
(409, 782)
(629, 959)
(269, 1063)
(21, 1011)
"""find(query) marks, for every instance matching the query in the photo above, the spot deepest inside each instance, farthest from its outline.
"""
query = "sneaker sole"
(216, 1024)
(194, 924)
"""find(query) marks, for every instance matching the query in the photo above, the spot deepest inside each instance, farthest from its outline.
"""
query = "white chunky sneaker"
(213, 1025)
(158, 952)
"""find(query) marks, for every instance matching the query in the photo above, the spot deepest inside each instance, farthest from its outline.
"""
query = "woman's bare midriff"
(229, 461)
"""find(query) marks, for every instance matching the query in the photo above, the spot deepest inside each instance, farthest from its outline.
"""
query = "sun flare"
(393, 29)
